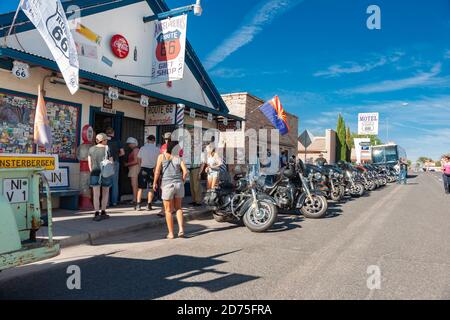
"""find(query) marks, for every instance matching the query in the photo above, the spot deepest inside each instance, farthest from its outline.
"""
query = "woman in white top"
(213, 164)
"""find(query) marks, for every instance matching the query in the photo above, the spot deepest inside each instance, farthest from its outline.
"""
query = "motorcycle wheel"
(267, 216)
(358, 190)
(315, 209)
(337, 194)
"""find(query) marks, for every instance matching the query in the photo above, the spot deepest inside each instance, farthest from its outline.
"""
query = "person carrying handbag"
(101, 167)
(445, 163)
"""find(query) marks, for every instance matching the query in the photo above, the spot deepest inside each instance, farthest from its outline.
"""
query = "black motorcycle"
(328, 179)
(242, 202)
(291, 191)
(353, 181)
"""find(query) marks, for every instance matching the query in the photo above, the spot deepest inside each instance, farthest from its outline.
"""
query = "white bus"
(387, 154)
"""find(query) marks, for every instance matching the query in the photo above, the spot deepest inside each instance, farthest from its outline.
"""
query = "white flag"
(50, 20)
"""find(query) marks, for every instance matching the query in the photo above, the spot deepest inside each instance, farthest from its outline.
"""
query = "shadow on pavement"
(112, 277)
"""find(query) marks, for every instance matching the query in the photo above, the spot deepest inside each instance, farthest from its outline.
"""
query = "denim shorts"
(106, 182)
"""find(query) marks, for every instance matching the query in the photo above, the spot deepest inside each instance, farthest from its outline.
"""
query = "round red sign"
(119, 46)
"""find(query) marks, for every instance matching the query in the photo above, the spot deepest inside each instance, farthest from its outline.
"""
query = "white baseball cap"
(132, 140)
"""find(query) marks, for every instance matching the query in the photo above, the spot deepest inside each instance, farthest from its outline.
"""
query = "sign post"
(306, 139)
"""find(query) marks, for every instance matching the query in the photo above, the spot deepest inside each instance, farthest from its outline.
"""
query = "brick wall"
(244, 105)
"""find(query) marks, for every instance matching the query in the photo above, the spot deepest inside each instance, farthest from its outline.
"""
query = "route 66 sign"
(210, 117)
(21, 70)
(144, 101)
(58, 32)
(113, 93)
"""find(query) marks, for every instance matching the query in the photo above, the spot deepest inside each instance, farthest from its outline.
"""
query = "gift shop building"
(115, 41)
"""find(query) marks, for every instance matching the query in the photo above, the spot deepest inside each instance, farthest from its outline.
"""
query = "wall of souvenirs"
(16, 125)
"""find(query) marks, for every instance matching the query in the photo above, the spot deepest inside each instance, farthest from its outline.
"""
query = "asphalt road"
(401, 233)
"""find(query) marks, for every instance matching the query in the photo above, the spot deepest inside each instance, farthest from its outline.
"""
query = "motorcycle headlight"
(241, 185)
(336, 174)
(317, 176)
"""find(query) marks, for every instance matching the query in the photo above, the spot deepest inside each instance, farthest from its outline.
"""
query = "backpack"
(107, 166)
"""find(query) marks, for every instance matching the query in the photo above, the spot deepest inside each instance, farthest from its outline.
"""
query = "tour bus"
(387, 154)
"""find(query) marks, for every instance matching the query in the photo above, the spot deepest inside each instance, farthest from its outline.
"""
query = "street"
(402, 231)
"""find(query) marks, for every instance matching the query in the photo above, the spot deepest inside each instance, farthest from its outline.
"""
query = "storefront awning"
(32, 59)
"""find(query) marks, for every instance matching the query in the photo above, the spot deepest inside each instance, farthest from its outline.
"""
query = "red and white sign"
(119, 46)
(87, 134)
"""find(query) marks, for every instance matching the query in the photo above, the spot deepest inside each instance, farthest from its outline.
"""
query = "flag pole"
(12, 24)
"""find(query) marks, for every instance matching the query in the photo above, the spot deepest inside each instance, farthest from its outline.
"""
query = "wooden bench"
(59, 187)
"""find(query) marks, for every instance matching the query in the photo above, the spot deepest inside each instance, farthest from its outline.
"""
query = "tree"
(422, 160)
(348, 143)
(341, 146)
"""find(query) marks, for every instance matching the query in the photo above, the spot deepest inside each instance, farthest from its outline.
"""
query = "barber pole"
(180, 115)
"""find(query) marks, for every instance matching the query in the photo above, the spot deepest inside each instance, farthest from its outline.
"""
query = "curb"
(89, 238)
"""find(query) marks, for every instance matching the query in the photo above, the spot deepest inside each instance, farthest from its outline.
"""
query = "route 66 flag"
(50, 20)
(169, 43)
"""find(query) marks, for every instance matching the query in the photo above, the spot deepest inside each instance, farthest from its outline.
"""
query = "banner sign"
(368, 123)
(362, 149)
(160, 115)
(169, 43)
(50, 20)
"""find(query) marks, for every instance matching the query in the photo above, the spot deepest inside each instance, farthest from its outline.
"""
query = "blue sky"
(321, 59)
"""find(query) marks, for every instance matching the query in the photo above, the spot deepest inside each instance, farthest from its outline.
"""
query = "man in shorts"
(147, 157)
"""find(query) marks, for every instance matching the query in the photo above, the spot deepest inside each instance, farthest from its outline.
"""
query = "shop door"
(130, 128)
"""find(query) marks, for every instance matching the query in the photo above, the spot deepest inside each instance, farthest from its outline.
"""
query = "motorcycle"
(353, 180)
(327, 179)
(291, 191)
(242, 202)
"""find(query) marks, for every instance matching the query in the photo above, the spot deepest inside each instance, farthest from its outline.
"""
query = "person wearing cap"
(100, 185)
(133, 167)
(167, 139)
(147, 157)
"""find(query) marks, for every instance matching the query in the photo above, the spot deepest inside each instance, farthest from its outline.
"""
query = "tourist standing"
(147, 157)
(116, 150)
(133, 167)
(173, 172)
(100, 185)
(445, 164)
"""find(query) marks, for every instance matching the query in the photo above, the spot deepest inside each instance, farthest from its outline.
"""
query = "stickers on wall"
(88, 34)
(86, 50)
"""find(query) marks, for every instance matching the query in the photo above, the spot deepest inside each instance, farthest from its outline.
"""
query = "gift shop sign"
(160, 115)
(169, 44)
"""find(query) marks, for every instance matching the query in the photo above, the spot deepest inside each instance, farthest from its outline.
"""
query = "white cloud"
(264, 15)
(350, 67)
(447, 54)
(423, 79)
(237, 73)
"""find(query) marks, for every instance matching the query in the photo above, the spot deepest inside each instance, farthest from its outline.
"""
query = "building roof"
(90, 7)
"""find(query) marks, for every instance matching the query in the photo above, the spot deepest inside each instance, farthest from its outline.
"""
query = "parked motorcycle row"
(307, 189)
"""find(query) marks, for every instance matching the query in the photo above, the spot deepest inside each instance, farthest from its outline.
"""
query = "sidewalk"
(72, 228)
